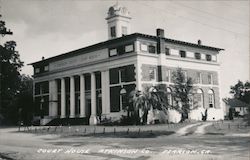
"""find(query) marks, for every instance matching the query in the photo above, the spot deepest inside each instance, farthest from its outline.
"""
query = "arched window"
(211, 98)
(199, 98)
(169, 96)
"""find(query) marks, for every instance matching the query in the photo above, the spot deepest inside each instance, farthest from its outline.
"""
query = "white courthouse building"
(95, 81)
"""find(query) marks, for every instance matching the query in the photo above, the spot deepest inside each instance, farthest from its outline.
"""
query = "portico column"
(82, 96)
(103, 84)
(105, 92)
(72, 97)
(93, 118)
(53, 98)
(63, 98)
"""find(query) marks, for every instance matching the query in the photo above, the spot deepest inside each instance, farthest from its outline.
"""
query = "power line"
(210, 14)
(196, 21)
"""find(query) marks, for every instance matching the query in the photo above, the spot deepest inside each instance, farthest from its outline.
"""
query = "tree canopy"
(14, 87)
(241, 91)
(183, 87)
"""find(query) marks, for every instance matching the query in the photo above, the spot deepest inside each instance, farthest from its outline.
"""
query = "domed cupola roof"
(118, 10)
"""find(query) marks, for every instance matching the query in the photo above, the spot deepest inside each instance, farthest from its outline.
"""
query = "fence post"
(104, 130)
(114, 130)
(128, 131)
(139, 130)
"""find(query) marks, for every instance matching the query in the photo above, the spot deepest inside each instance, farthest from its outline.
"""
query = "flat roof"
(120, 39)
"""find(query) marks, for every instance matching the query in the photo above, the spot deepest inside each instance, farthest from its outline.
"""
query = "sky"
(52, 27)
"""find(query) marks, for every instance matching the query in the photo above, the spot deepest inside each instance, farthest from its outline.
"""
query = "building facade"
(95, 81)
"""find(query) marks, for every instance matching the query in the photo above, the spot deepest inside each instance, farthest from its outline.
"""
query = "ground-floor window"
(119, 97)
(199, 98)
(211, 98)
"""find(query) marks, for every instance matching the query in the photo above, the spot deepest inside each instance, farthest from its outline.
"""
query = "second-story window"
(151, 49)
(112, 52)
(112, 32)
(152, 74)
(208, 57)
(168, 75)
(199, 78)
(210, 79)
(129, 48)
(167, 51)
(183, 54)
(197, 55)
(37, 70)
(144, 47)
(46, 68)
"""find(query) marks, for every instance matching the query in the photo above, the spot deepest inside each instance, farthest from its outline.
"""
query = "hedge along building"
(95, 81)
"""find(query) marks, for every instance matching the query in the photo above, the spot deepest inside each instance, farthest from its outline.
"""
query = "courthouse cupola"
(118, 21)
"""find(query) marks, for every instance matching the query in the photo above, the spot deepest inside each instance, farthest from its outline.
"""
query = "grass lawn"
(237, 126)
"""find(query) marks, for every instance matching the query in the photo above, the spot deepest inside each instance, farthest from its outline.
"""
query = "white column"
(107, 93)
(72, 97)
(63, 98)
(53, 98)
(82, 96)
(104, 98)
(93, 118)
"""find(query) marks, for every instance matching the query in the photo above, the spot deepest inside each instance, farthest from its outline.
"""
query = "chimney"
(160, 32)
(199, 42)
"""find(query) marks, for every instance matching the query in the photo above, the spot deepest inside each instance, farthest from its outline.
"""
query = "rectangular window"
(208, 57)
(151, 49)
(45, 87)
(37, 70)
(46, 68)
(167, 51)
(197, 55)
(198, 78)
(112, 52)
(115, 99)
(124, 31)
(144, 47)
(122, 75)
(183, 54)
(152, 74)
(112, 32)
(210, 79)
(129, 48)
(37, 88)
(114, 76)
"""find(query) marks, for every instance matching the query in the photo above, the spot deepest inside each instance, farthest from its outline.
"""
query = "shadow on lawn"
(144, 134)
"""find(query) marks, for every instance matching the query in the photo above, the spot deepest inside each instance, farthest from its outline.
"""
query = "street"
(193, 145)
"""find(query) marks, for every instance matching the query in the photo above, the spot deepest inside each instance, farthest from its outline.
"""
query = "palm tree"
(141, 102)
